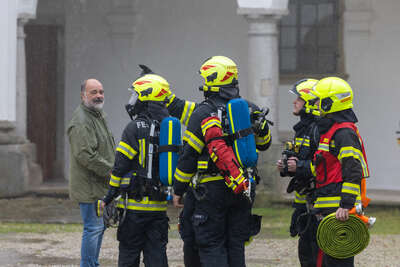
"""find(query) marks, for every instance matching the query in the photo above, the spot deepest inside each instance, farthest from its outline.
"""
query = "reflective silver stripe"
(195, 144)
(144, 205)
(355, 190)
(142, 144)
(213, 122)
(114, 180)
(299, 198)
(356, 153)
(303, 142)
(187, 112)
(181, 178)
(125, 181)
(324, 147)
(128, 153)
(150, 163)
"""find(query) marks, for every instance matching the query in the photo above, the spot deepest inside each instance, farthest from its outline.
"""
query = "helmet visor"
(133, 99)
(294, 91)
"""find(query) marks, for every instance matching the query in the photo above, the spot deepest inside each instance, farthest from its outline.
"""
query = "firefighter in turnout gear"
(221, 215)
(298, 167)
(135, 176)
(340, 160)
(183, 109)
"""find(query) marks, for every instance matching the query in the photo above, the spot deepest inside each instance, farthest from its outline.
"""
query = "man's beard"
(96, 104)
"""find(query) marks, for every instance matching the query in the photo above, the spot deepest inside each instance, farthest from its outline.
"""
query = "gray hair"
(83, 86)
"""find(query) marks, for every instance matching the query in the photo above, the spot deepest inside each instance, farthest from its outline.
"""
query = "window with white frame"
(309, 40)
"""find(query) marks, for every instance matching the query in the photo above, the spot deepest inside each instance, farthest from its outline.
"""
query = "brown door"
(41, 68)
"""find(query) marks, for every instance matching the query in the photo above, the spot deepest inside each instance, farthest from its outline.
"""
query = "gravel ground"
(63, 249)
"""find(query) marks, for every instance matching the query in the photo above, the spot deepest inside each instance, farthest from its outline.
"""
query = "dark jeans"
(221, 225)
(147, 232)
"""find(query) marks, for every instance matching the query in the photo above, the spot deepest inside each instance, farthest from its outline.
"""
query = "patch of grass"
(387, 220)
(39, 228)
(275, 222)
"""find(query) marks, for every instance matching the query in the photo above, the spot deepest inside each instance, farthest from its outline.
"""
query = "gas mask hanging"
(133, 105)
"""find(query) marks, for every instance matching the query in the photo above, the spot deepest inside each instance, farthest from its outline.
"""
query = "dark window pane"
(291, 18)
(288, 60)
(308, 14)
(326, 15)
(327, 61)
(308, 36)
(327, 36)
(308, 59)
(288, 37)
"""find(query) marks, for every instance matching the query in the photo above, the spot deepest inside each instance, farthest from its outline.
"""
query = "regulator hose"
(342, 240)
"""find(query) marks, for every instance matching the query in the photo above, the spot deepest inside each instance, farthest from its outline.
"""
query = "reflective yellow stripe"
(213, 156)
(202, 165)
(170, 171)
(300, 199)
(187, 112)
(210, 88)
(302, 142)
(115, 181)
(126, 149)
(350, 151)
(263, 140)
(193, 141)
(351, 188)
(209, 124)
(182, 176)
(327, 202)
(170, 100)
(142, 151)
(312, 168)
(144, 205)
(231, 185)
(331, 202)
(323, 147)
(126, 181)
(209, 178)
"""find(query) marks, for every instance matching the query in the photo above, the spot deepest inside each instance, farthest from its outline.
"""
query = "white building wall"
(371, 48)
(372, 64)
(173, 37)
(8, 53)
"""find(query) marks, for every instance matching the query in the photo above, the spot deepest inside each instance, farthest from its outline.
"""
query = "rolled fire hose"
(342, 239)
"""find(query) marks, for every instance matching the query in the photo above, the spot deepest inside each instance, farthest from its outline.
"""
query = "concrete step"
(51, 189)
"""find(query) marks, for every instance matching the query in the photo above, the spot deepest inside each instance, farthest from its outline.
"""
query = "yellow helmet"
(303, 89)
(151, 87)
(218, 71)
(334, 95)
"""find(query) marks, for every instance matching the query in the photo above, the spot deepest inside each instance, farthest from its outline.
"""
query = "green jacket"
(92, 155)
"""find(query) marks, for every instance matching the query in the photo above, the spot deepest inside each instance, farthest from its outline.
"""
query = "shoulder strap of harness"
(222, 117)
(326, 138)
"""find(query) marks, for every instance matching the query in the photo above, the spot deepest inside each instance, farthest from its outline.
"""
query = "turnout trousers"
(221, 226)
(145, 232)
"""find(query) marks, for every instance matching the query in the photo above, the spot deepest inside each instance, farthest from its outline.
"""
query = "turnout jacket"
(306, 140)
(132, 161)
(343, 188)
(193, 147)
(91, 154)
